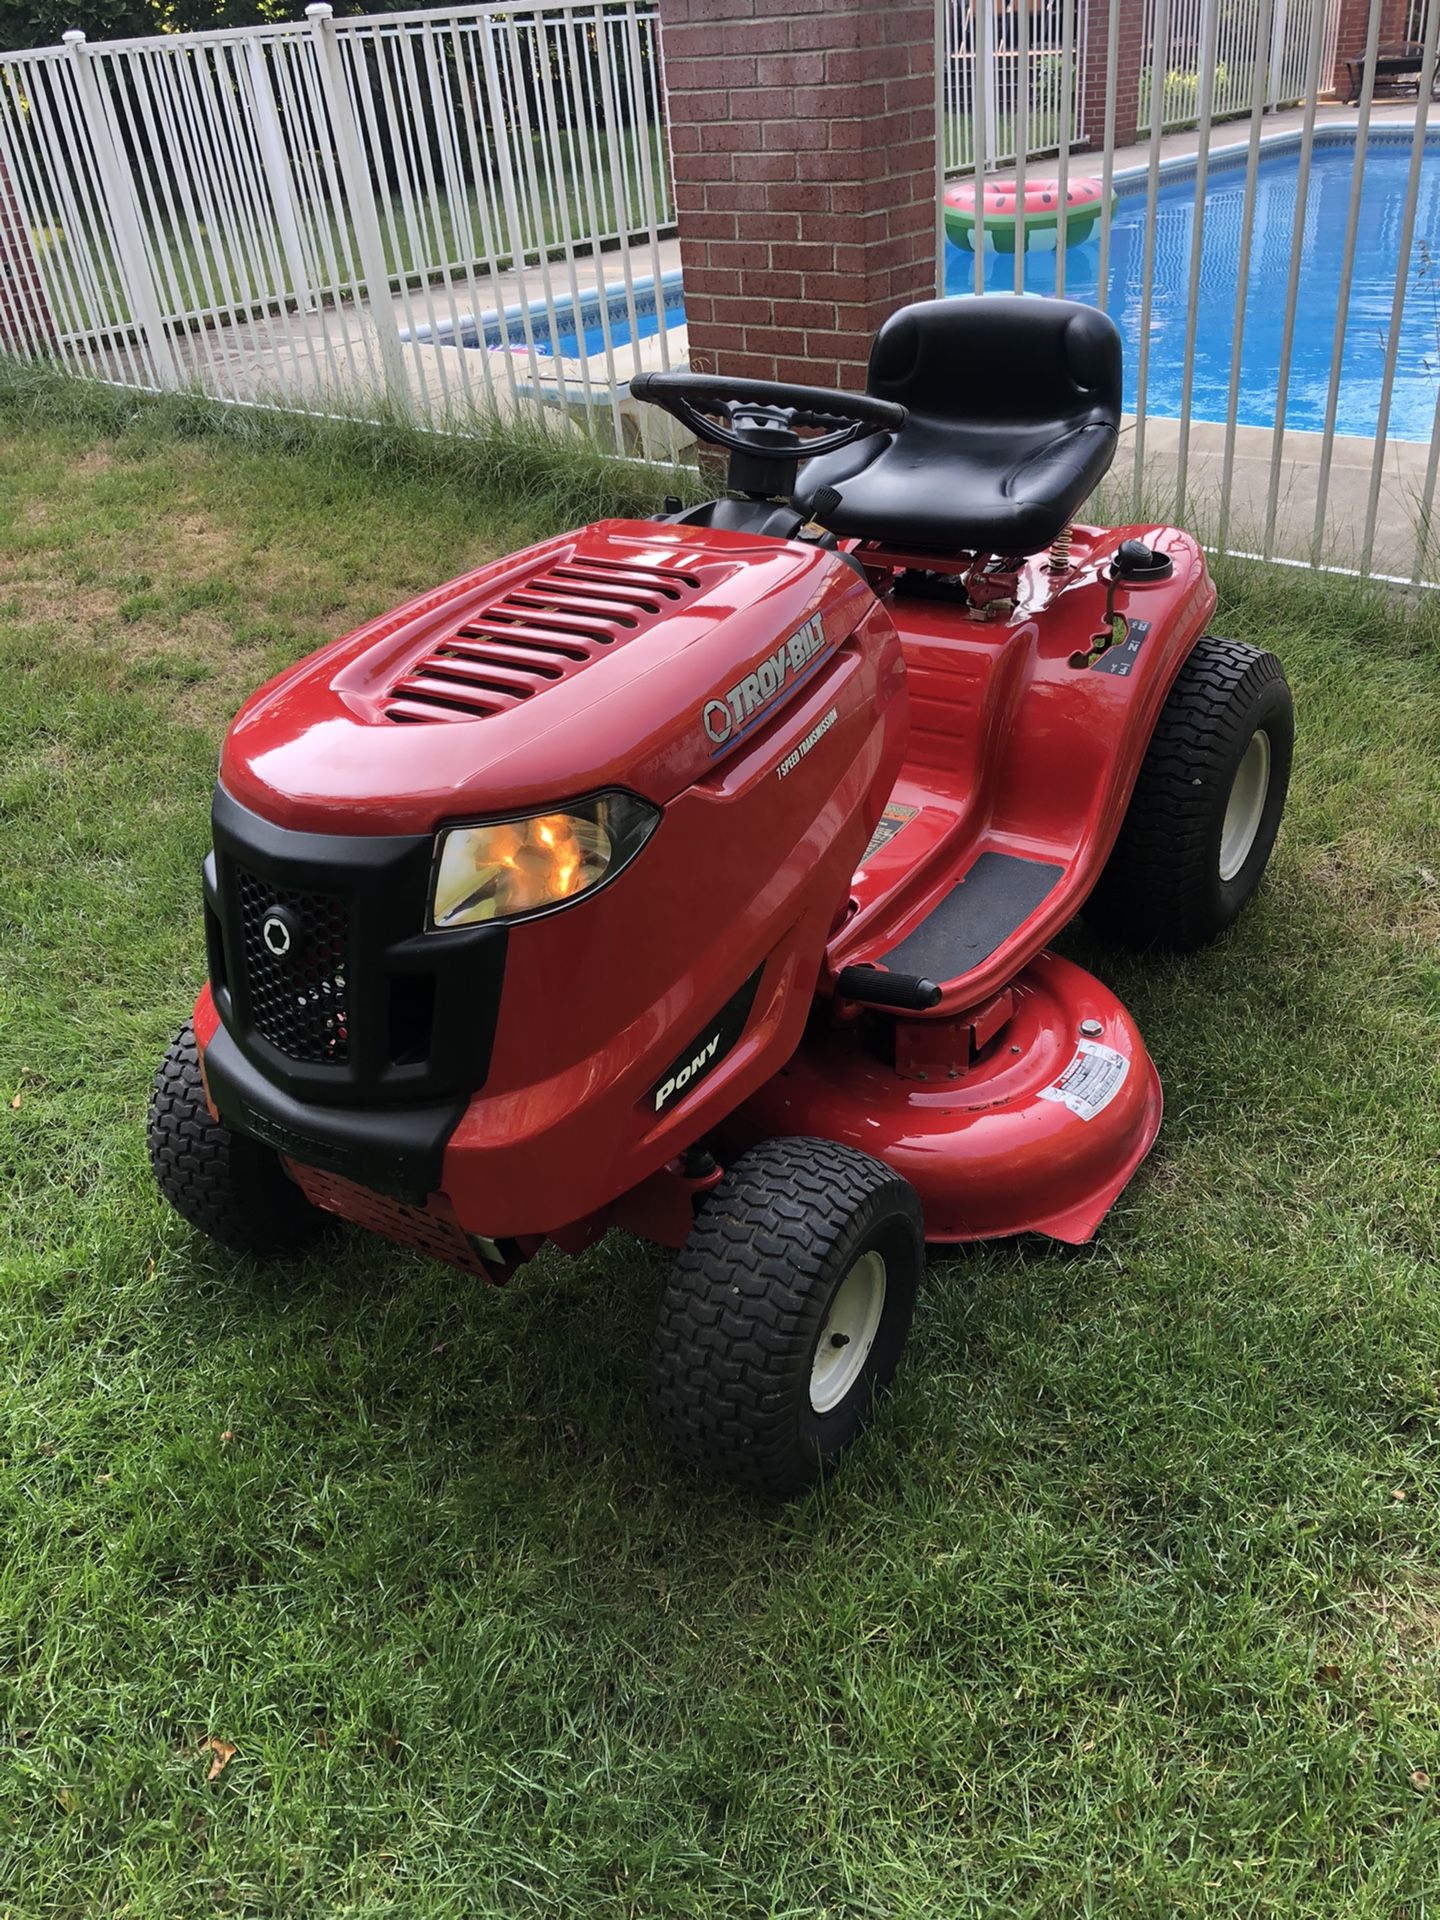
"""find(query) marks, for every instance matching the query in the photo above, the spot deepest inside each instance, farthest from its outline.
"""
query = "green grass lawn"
(1129, 1604)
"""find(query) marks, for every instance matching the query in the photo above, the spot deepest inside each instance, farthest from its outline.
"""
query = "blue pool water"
(574, 342)
(579, 329)
(1417, 374)
(572, 346)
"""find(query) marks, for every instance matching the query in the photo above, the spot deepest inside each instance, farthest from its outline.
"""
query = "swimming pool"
(1417, 371)
(635, 312)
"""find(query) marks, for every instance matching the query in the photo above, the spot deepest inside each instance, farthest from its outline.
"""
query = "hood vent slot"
(537, 632)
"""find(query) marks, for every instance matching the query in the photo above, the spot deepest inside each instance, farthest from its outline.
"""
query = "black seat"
(1014, 409)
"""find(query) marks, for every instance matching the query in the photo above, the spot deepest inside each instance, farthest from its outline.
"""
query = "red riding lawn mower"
(695, 876)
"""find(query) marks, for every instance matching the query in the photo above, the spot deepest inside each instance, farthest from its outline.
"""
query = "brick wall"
(26, 324)
(803, 133)
(1354, 27)
(1131, 56)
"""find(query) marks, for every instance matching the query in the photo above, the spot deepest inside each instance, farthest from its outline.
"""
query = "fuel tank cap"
(1135, 561)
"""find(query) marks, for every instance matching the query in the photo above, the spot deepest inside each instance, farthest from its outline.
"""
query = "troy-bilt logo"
(278, 930)
(276, 936)
(780, 672)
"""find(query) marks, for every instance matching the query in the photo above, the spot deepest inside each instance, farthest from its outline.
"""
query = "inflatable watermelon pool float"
(1038, 219)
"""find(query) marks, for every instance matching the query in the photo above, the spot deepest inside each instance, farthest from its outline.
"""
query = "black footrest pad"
(997, 895)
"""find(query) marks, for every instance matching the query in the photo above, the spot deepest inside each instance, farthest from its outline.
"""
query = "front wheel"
(227, 1185)
(786, 1312)
(1202, 820)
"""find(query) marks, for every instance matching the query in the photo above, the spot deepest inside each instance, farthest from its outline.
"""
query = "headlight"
(507, 869)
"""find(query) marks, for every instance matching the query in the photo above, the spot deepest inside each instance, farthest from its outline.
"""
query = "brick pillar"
(803, 134)
(1353, 28)
(26, 323)
(1131, 57)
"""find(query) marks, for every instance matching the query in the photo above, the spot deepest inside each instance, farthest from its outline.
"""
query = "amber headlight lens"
(507, 869)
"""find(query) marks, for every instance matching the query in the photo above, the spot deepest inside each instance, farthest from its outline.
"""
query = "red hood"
(587, 662)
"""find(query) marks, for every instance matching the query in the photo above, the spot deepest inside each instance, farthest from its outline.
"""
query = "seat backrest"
(1000, 360)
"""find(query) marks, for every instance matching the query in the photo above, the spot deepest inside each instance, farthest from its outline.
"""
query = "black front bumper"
(358, 1049)
(397, 1150)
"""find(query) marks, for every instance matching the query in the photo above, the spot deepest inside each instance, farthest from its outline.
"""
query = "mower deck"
(1036, 1130)
(1014, 1097)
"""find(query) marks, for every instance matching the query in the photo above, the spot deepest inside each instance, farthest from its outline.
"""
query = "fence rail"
(1007, 74)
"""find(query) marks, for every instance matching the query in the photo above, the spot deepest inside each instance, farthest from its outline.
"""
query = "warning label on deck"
(891, 821)
(1091, 1081)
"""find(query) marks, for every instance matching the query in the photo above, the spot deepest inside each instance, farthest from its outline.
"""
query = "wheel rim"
(1246, 805)
(848, 1333)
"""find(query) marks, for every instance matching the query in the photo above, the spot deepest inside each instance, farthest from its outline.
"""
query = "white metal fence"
(1006, 76)
(1013, 74)
(470, 208)
(1278, 293)
(444, 209)
(1220, 40)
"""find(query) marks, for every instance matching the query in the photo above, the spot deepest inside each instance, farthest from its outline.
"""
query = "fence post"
(355, 173)
(277, 173)
(804, 178)
(132, 252)
(1276, 78)
(942, 60)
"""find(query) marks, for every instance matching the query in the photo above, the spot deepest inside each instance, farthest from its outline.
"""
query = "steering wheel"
(760, 417)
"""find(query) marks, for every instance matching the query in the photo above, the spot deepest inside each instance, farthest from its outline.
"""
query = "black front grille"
(298, 1000)
(359, 1008)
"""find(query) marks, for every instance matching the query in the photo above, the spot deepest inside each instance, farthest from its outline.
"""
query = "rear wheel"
(786, 1312)
(1206, 808)
(230, 1187)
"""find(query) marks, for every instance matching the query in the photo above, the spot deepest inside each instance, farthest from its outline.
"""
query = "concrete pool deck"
(1346, 502)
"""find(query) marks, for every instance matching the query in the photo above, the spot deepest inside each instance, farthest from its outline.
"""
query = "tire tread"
(733, 1309)
(229, 1187)
(1155, 887)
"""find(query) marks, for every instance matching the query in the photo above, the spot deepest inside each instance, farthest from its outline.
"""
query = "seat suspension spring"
(1060, 548)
